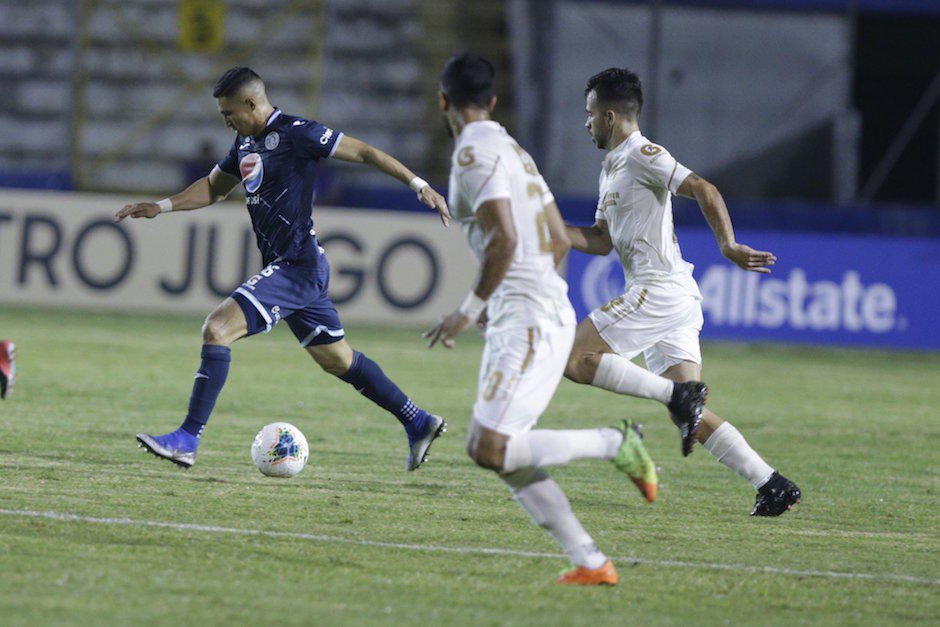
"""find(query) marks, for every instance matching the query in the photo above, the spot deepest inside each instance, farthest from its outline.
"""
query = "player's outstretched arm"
(495, 218)
(207, 190)
(716, 214)
(593, 240)
(357, 151)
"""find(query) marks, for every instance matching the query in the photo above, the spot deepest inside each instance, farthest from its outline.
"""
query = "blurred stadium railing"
(818, 119)
(822, 100)
(116, 94)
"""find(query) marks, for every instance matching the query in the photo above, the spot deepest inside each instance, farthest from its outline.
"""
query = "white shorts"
(661, 321)
(519, 373)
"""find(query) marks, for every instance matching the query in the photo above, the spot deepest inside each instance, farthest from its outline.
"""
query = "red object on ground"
(7, 367)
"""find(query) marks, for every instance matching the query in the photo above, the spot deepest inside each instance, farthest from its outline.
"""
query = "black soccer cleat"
(686, 405)
(776, 496)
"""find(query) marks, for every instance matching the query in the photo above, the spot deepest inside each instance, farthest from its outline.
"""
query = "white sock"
(547, 505)
(729, 447)
(543, 448)
(619, 374)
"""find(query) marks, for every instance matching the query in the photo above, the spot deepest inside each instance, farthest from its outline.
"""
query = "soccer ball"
(280, 450)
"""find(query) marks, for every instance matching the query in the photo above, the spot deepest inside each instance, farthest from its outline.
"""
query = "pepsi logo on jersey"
(251, 168)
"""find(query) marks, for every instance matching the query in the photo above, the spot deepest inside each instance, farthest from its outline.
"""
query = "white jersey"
(488, 164)
(637, 181)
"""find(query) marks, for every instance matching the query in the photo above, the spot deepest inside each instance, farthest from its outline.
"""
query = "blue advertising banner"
(824, 289)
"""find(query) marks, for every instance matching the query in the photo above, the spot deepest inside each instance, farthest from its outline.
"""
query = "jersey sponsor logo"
(465, 156)
(610, 200)
(325, 138)
(252, 170)
(272, 140)
(297, 123)
(649, 150)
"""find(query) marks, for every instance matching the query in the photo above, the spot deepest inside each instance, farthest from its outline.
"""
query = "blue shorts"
(295, 293)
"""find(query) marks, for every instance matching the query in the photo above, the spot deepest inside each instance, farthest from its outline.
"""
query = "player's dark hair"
(467, 80)
(233, 80)
(619, 88)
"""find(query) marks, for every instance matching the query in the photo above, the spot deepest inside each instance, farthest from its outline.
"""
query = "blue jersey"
(278, 168)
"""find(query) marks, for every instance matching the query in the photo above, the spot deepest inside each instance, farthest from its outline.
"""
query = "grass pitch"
(858, 431)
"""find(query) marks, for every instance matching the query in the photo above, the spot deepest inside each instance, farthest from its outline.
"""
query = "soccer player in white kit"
(513, 226)
(660, 313)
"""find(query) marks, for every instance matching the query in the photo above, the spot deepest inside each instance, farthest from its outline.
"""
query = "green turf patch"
(857, 430)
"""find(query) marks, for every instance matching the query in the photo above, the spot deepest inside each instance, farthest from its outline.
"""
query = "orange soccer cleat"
(606, 575)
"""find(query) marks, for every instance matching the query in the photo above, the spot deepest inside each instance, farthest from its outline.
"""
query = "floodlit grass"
(857, 430)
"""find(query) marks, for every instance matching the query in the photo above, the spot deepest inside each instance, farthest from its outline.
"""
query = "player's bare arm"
(204, 192)
(495, 218)
(593, 240)
(561, 243)
(357, 151)
(716, 214)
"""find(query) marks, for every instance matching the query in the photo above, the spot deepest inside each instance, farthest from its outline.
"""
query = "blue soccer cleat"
(419, 444)
(177, 446)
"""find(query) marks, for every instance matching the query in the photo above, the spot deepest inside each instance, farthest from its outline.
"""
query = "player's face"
(444, 105)
(237, 114)
(596, 124)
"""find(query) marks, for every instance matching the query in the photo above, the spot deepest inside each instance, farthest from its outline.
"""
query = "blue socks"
(369, 380)
(209, 381)
(364, 375)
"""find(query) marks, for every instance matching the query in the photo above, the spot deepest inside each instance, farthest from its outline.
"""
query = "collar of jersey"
(271, 118)
(482, 123)
(620, 149)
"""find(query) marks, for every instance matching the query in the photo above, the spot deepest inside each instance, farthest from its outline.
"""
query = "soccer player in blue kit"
(275, 156)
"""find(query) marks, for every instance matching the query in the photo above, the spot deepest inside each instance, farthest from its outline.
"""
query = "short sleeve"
(229, 163)
(314, 140)
(657, 168)
(481, 176)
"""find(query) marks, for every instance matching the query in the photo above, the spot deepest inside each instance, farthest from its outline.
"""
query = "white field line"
(771, 570)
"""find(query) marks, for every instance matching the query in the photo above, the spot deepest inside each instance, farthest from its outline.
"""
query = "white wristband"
(472, 306)
(165, 205)
(417, 184)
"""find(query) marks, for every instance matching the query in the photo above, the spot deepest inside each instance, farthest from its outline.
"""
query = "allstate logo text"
(735, 298)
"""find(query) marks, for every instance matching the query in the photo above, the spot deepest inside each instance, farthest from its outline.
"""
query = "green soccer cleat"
(633, 460)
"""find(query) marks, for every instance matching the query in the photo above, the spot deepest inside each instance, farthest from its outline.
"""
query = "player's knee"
(333, 365)
(214, 330)
(581, 367)
(488, 452)
(332, 361)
